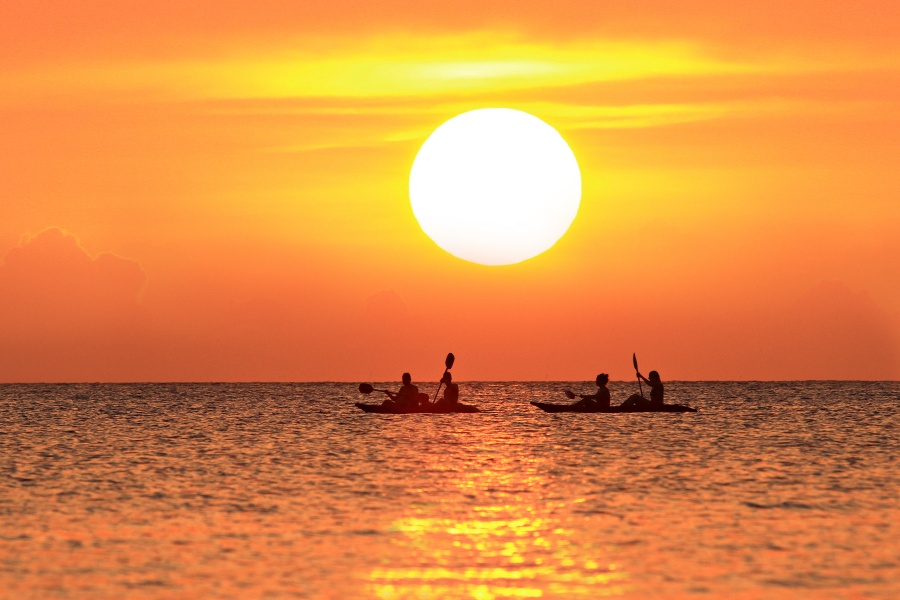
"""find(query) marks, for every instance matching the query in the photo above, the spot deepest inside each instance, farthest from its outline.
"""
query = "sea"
(270, 491)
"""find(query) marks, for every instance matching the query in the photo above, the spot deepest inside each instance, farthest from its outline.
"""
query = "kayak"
(669, 408)
(435, 409)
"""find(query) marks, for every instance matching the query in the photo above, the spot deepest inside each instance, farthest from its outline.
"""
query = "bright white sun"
(495, 186)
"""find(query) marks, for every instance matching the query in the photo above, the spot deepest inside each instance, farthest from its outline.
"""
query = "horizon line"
(356, 382)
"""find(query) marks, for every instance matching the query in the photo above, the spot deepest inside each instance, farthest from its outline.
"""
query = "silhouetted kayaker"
(407, 396)
(600, 398)
(451, 391)
(656, 393)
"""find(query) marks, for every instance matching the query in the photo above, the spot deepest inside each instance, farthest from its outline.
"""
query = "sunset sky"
(219, 191)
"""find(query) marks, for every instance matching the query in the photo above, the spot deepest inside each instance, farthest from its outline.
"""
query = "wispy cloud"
(395, 67)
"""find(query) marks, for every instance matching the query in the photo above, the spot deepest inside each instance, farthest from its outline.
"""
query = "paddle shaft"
(437, 391)
(367, 389)
(636, 371)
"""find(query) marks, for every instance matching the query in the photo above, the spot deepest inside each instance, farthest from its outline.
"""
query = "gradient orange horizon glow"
(219, 192)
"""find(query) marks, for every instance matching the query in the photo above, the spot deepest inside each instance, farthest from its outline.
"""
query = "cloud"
(60, 308)
(51, 281)
(829, 331)
(835, 332)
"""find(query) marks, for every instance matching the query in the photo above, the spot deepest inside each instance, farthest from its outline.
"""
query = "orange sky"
(211, 192)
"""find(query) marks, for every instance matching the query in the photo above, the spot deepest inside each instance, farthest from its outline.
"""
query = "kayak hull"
(428, 409)
(668, 408)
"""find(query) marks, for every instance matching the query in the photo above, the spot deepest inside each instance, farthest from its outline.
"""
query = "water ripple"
(287, 491)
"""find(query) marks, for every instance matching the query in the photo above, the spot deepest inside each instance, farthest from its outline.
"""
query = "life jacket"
(408, 395)
(656, 393)
(451, 394)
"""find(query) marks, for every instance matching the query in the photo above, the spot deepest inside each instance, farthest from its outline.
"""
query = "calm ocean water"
(771, 490)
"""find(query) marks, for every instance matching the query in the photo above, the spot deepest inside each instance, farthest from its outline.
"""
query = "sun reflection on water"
(514, 549)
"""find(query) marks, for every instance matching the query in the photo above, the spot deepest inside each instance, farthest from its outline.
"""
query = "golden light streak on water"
(513, 550)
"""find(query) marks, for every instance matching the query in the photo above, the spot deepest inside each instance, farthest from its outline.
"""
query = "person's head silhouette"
(654, 377)
(407, 379)
(447, 378)
(602, 379)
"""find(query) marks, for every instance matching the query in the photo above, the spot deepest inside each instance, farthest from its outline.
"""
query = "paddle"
(634, 360)
(448, 364)
(365, 388)
(569, 394)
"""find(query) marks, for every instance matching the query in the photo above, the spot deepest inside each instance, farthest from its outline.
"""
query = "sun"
(495, 186)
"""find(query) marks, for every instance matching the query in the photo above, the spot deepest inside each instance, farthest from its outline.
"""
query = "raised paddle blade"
(569, 394)
(634, 360)
(365, 388)
(448, 364)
